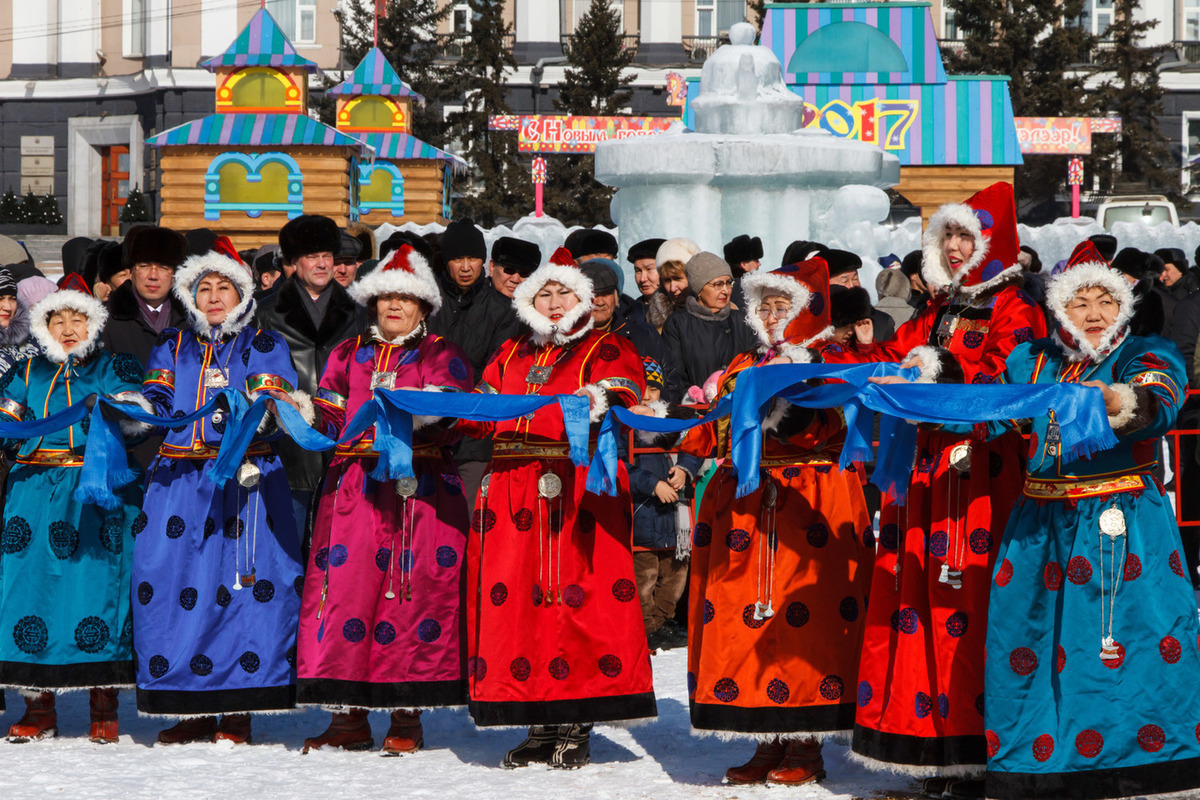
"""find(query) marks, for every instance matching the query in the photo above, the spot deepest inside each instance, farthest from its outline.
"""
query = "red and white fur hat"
(404, 271)
(224, 260)
(1087, 268)
(990, 216)
(575, 323)
(806, 284)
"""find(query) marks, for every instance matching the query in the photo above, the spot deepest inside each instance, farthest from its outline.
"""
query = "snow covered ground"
(661, 760)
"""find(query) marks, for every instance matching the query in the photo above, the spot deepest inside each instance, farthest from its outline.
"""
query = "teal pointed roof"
(374, 75)
(257, 130)
(260, 44)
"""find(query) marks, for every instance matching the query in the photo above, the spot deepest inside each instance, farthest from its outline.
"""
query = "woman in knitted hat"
(217, 570)
(382, 622)
(1090, 689)
(64, 586)
(576, 654)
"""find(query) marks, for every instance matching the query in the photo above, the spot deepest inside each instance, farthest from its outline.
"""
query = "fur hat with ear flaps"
(990, 216)
(223, 260)
(90, 307)
(575, 323)
(806, 284)
(1086, 268)
(404, 271)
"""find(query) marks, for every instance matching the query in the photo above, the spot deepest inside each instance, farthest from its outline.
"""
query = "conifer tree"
(595, 84)
(1130, 89)
(499, 187)
(1028, 41)
(408, 37)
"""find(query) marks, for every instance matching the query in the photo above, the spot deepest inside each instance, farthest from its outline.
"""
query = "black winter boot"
(537, 748)
(573, 748)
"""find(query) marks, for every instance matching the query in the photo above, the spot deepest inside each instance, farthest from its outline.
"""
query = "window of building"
(705, 18)
(1097, 16)
(461, 20)
(729, 13)
(1191, 21)
(296, 18)
(949, 26)
(1190, 177)
(133, 28)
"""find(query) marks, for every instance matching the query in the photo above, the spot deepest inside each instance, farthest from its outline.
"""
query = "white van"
(1148, 208)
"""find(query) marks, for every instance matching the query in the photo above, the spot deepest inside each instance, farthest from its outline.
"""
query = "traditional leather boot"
(405, 734)
(103, 704)
(573, 748)
(40, 720)
(766, 758)
(233, 728)
(802, 763)
(536, 749)
(349, 731)
(192, 729)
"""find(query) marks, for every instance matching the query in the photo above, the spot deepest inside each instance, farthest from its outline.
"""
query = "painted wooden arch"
(253, 183)
(380, 187)
(373, 113)
(259, 89)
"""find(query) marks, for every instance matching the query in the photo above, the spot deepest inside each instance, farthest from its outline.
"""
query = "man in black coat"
(141, 308)
(475, 317)
(314, 315)
(607, 315)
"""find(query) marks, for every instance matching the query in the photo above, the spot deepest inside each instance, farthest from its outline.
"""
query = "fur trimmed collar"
(574, 325)
(1063, 288)
(87, 305)
(408, 340)
(195, 268)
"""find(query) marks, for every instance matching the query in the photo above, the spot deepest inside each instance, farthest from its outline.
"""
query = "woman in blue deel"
(216, 571)
(64, 565)
(1092, 652)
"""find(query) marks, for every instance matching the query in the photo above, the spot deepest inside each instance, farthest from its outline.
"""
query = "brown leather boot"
(405, 734)
(233, 728)
(349, 731)
(802, 763)
(766, 758)
(103, 704)
(40, 720)
(192, 729)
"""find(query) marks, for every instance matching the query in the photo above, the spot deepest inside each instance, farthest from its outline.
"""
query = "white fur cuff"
(779, 410)
(799, 354)
(421, 421)
(129, 427)
(1128, 406)
(931, 365)
(660, 409)
(599, 402)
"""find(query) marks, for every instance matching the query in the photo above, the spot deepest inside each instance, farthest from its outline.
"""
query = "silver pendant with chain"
(383, 380)
(539, 375)
(215, 378)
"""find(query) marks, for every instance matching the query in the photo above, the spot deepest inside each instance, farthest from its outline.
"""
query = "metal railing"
(699, 48)
(1188, 52)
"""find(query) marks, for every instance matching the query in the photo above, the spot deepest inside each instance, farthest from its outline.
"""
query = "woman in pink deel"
(381, 618)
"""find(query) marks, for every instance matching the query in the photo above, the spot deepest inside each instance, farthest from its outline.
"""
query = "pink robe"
(358, 647)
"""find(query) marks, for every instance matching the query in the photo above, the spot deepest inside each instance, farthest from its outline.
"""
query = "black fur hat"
(848, 306)
(588, 242)
(1106, 244)
(109, 261)
(743, 248)
(647, 248)
(154, 245)
(841, 262)
(74, 253)
(308, 234)
(517, 254)
(801, 250)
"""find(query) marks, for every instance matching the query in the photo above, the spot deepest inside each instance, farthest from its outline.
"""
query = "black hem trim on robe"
(564, 712)
(67, 676)
(363, 694)
(1134, 781)
(223, 701)
(920, 751)
(808, 719)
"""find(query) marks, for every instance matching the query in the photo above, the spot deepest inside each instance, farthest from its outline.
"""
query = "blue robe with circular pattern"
(64, 565)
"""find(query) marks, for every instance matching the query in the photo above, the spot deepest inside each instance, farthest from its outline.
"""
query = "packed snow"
(660, 760)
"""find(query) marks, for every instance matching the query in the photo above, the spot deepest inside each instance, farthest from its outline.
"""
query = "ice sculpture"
(748, 167)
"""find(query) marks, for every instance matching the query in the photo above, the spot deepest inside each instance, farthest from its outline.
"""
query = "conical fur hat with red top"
(222, 259)
(806, 284)
(404, 271)
(561, 268)
(1086, 268)
(990, 217)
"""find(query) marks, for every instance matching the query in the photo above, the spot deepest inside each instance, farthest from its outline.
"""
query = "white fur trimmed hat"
(223, 260)
(404, 271)
(63, 299)
(990, 216)
(1086, 268)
